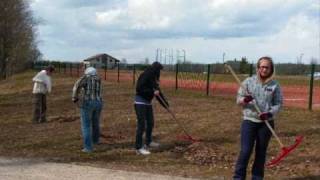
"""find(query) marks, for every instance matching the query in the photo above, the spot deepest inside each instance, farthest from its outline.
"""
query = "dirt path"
(27, 169)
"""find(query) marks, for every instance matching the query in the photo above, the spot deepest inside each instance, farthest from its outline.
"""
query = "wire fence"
(300, 83)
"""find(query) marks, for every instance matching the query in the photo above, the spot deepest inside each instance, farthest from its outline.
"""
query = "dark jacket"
(148, 81)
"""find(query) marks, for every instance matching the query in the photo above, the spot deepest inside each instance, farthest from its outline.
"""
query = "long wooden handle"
(254, 103)
(174, 117)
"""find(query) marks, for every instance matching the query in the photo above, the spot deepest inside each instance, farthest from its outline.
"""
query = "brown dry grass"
(215, 120)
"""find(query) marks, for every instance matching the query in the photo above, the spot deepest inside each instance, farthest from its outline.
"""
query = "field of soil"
(215, 120)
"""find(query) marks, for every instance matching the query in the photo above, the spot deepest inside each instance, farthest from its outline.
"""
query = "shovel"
(285, 150)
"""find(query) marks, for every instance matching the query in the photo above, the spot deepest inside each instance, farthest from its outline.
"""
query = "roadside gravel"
(29, 169)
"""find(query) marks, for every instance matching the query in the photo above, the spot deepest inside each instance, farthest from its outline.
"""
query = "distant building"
(101, 61)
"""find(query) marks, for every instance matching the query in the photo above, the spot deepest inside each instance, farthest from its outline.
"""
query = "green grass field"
(214, 119)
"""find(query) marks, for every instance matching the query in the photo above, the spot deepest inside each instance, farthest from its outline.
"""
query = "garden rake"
(187, 136)
(285, 150)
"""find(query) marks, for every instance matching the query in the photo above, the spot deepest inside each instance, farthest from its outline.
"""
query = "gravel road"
(29, 169)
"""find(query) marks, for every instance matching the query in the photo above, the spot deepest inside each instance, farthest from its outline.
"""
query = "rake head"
(188, 138)
(284, 152)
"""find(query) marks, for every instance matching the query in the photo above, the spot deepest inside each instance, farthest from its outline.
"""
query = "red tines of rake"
(188, 138)
(284, 152)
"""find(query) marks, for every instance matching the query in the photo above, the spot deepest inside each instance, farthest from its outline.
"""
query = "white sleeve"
(49, 84)
(40, 77)
(43, 78)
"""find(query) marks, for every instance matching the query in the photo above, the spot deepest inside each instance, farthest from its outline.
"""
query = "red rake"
(186, 136)
(284, 150)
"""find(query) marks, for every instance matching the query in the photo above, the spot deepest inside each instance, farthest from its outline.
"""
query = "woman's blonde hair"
(272, 72)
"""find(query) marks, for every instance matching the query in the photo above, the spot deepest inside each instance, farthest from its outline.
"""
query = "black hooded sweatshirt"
(148, 81)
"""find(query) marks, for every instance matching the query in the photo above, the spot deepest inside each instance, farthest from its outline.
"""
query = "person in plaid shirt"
(87, 93)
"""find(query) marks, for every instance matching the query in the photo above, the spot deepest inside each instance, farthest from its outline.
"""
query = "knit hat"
(90, 71)
(50, 68)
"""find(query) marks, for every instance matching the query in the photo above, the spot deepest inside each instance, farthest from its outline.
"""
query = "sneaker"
(86, 150)
(153, 145)
(143, 151)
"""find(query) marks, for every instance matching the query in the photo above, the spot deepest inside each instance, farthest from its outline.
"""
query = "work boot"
(43, 121)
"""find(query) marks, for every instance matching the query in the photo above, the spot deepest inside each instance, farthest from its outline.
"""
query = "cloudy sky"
(204, 30)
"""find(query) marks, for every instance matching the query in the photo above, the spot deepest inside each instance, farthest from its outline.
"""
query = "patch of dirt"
(215, 120)
(206, 154)
(62, 119)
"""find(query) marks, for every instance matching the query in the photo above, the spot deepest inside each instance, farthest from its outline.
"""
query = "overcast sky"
(72, 30)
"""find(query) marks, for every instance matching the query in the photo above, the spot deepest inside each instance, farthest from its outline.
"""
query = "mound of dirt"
(62, 119)
(206, 154)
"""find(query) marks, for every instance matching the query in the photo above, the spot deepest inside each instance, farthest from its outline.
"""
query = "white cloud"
(109, 17)
(136, 28)
(149, 14)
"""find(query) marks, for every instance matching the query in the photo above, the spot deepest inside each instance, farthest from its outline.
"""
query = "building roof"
(103, 55)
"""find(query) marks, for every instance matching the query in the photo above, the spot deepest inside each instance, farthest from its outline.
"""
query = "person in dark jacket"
(147, 87)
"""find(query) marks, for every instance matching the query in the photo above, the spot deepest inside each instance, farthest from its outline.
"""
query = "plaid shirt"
(89, 87)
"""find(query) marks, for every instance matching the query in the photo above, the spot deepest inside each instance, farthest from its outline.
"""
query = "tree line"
(18, 45)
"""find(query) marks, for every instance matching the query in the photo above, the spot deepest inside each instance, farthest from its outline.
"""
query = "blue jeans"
(253, 134)
(90, 125)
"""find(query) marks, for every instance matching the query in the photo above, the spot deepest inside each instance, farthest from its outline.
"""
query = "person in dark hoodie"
(147, 87)
(263, 90)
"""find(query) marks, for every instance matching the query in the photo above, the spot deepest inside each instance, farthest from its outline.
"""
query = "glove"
(75, 100)
(265, 116)
(247, 99)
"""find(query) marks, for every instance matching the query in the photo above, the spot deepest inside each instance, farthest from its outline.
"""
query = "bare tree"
(18, 48)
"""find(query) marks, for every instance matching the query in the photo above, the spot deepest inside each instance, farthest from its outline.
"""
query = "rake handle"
(174, 117)
(255, 105)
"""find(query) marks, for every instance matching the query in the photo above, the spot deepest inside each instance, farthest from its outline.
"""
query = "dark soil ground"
(215, 120)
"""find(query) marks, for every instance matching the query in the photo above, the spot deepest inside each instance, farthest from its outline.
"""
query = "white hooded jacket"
(42, 83)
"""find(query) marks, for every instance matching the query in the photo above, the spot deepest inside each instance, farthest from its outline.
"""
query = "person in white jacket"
(42, 86)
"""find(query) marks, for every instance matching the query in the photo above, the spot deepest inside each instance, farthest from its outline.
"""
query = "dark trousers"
(253, 134)
(39, 108)
(145, 122)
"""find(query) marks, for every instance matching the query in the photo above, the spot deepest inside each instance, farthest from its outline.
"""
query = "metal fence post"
(105, 72)
(118, 72)
(208, 79)
(78, 69)
(177, 71)
(70, 67)
(311, 86)
(134, 74)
